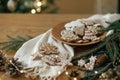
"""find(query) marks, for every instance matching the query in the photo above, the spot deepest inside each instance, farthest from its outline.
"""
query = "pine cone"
(74, 74)
(13, 68)
(101, 60)
(3, 60)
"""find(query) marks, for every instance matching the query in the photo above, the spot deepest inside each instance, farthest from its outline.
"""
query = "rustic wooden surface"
(28, 24)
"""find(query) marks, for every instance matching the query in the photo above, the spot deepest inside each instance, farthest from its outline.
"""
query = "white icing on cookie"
(69, 36)
(75, 26)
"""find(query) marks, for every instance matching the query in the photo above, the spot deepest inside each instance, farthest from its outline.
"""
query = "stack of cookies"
(81, 31)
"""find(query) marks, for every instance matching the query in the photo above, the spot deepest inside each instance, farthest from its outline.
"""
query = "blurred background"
(59, 6)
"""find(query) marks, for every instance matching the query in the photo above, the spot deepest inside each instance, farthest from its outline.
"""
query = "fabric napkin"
(40, 68)
(43, 70)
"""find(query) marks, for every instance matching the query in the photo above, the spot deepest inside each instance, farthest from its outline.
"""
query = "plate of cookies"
(80, 32)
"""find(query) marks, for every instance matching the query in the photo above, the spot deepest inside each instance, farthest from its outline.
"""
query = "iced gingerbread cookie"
(89, 35)
(81, 31)
(69, 36)
(50, 55)
(76, 26)
(87, 22)
(45, 49)
(96, 27)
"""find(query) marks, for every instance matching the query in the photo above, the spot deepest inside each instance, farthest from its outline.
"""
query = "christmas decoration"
(27, 6)
(89, 65)
(74, 74)
(3, 60)
(13, 68)
(102, 59)
(81, 62)
(110, 75)
(110, 45)
(11, 5)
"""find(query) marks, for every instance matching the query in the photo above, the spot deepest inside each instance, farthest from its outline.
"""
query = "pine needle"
(74, 59)
(113, 26)
(112, 47)
(14, 43)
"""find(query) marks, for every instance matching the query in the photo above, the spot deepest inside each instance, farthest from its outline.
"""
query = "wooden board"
(28, 24)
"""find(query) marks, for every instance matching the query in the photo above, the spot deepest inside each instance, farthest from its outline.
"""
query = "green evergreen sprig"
(75, 58)
(91, 75)
(105, 42)
(113, 26)
(14, 43)
(111, 44)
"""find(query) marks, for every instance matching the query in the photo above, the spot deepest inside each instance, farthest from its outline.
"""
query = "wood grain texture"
(28, 24)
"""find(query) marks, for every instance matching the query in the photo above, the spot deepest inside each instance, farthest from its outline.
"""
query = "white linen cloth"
(42, 69)
(102, 19)
(31, 46)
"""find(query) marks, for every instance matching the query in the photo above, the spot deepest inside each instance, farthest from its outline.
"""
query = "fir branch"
(112, 43)
(112, 47)
(90, 75)
(102, 70)
(111, 37)
(14, 43)
(74, 59)
(105, 42)
(113, 26)
(117, 68)
(105, 68)
(116, 49)
(110, 50)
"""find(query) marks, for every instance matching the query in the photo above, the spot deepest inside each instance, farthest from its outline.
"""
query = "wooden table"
(28, 24)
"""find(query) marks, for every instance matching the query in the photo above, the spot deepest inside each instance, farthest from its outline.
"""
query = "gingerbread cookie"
(52, 60)
(76, 26)
(87, 22)
(56, 60)
(89, 35)
(81, 31)
(45, 49)
(48, 49)
(50, 55)
(69, 36)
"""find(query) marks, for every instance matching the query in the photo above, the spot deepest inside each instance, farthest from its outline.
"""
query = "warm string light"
(71, 78)
(33, 11)
(66, 73)
(38, 9)
(37, 5)
(59, 72)
(96, 72)
(74, 78)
